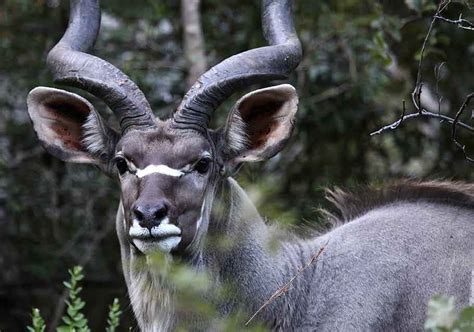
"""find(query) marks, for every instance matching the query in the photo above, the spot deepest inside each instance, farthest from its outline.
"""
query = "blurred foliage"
(360, 62)
(443, 317)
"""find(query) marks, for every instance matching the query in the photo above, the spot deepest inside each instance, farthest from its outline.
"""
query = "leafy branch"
(37, 321)
(74, 320)
(114, 316)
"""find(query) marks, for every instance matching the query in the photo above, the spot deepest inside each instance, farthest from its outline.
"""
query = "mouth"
(164, 238)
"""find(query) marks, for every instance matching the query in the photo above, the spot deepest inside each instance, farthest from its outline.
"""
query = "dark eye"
(122, 165)
(202, 166)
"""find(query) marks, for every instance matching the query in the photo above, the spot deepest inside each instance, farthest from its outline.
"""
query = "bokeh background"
(360, 63)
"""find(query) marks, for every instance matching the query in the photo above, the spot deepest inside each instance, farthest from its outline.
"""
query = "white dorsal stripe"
(160, 169)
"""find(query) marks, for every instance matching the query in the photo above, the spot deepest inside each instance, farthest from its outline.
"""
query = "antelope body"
(375, 272)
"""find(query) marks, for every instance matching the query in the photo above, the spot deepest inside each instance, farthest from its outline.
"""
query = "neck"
(245, 254)
(241, 254)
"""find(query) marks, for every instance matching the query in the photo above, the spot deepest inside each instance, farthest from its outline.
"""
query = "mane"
(353, 204)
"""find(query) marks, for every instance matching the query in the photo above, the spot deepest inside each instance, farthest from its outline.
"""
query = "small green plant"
(442, 316)
(37, 322)
(114, 316)
(74, 320)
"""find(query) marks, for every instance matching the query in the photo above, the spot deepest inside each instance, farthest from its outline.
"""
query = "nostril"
(150, 215)
(161, 212)
(139, 215)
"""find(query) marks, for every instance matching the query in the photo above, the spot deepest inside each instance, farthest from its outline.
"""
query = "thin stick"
(286, 287)
(456, 121)
(426, 114)
(460, 22)
(416, 94)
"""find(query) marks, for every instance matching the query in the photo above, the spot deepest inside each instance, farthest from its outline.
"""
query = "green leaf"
(37, 322)
(465, 323)
(71, 311)
(74, 318)
(114, 316)
(64, 329)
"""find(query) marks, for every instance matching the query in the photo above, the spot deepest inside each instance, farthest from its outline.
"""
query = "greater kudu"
(402, 245)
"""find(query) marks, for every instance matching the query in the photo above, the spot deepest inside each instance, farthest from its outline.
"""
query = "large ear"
(260, 124)
(69, 127)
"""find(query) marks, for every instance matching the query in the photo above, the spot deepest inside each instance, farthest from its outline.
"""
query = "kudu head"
(168, 169)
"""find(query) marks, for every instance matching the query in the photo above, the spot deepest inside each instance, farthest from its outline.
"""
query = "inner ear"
(58, 117)
(260, 124)
(65, 122)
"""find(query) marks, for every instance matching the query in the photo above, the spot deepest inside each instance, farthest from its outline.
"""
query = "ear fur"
(69, 127)
(260, 124)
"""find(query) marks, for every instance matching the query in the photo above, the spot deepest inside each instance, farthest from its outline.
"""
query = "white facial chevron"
(160, 169)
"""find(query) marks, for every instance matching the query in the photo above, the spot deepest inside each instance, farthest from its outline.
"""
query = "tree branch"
(193, 41)
(460, 22)
(416, 94)
(456, 121)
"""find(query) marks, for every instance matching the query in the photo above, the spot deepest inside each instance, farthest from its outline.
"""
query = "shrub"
(74, 320)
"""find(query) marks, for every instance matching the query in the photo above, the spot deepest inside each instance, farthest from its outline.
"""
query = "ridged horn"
(71, 65)
(262, 64)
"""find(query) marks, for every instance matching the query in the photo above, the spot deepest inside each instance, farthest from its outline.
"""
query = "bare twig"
(460, 22)
(286, 287)
(416, 94)
(418, 85)
(426, 114)
(437, 74)
(456, 121)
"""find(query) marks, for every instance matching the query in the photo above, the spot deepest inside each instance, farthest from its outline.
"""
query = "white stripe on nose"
(160, 169)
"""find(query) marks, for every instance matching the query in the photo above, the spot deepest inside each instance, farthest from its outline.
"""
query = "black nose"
(150, 215)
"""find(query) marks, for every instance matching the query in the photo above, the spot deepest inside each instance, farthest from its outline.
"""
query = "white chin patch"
(155, 245)
(164, 237)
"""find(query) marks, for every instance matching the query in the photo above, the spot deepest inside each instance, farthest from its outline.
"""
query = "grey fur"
(99, 139)
(376, 272)
(237, 138)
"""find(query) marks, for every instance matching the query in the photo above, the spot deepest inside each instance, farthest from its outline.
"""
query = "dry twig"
(460, 22)
(456, 120)
(416, 94)
(286, 287)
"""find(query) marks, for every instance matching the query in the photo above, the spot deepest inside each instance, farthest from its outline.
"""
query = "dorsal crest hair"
(352, 204)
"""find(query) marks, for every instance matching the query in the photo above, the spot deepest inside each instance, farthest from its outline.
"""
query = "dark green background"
(360, 62)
